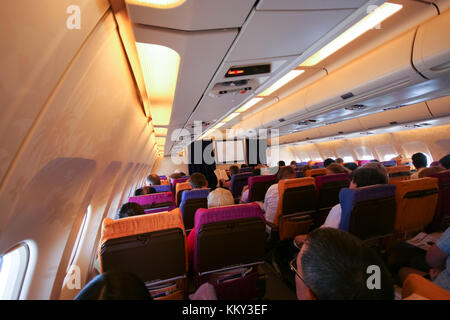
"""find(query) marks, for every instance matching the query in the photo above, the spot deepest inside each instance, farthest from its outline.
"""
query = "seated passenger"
(175, 175)
(335, 168)
(281, 163)
(130, 209)
(293, 164)
(271, 198)
(429, 171)
(339, 161)
(445, 161)
(244, 195)
(115, 285)
(420, 162)
(351, 166)
(438, 261)
(218, 198)
(327, 162)
(143, 191)
(335, 265)
(153, 180)
(306, 168)
(361, 177)
(198, 181)
(227, 183)
(378, 166)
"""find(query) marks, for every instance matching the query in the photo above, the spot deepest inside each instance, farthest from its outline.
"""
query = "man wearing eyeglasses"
(335, 265)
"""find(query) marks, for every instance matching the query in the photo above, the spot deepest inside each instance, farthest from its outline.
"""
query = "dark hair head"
(337, 168)
(351, 166)
(293, 163)
(419, 160)
(335, 265)
(234, 170)
(176, 175)
(153, 180)
(327, 162)
(150, 190)
(281, 163)
(139, 192)
(198, 180)
(286, 173)
(364, 177)
(445, 161)
(130, 209)
(183, 174)
(114, 285)
(256, 172)
(339, 160)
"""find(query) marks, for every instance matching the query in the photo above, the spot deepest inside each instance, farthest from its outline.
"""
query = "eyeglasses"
(293, 265)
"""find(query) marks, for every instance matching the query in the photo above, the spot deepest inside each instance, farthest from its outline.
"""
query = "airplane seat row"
(192, 200)
(153, 247)
(258, 186)
(155, 202)
(229, 247)
(238, 181)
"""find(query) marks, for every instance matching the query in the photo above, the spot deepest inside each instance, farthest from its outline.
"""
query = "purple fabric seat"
(391, 163)
(161, 188)
(328, 188)
(238, 181)
(173, 182)
(258, 185)
(246, 170)
(191, 200)
(441, 219)
(155, 202)
(368, 212)
(227, 237)
(362, 162)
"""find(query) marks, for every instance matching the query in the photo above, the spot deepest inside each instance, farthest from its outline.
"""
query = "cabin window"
(304, 157)
(386, 152)
(328, 154)
(13, 267)
(80, 238)
(315, 155)
(364, 153)
(345, 154)
(414, 147)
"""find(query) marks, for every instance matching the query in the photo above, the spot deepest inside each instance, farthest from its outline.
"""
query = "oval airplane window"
(345, 154)
(364, 153)
(13, 267)
(411, 148)
(386, 152)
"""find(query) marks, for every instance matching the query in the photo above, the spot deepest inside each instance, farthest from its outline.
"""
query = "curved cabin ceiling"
(212, 36)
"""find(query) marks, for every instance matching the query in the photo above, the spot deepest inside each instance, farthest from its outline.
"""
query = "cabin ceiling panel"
(308, 4)
(194, 14)
(284, 33)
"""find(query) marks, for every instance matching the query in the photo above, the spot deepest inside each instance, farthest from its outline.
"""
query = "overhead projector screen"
(230, 151)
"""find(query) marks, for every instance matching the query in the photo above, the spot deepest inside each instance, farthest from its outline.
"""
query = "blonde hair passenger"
(220, 197)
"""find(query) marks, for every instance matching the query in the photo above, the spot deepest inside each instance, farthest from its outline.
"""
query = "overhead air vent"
(417, 125)
(204, 124)
(347, 96)
(306, 122)
(393, 108)
(282, 120)
(234, 87)
(356, 107)
(248, 70)
(366, 133)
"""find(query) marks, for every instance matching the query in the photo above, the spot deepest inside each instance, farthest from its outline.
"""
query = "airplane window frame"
(13, 288)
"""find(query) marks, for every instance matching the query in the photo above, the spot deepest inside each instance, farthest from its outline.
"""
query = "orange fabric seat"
(113, 229)
(152, 246)
(416, 203)
(316, 172)
(398, 173)
(179, 190)
(294, 218)
(415, 284)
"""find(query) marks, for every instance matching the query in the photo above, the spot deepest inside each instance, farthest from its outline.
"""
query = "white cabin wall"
(74, 134)
(435, 139)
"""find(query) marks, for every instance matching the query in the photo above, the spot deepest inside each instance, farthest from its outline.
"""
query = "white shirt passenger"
(271, 203)
(334, 217)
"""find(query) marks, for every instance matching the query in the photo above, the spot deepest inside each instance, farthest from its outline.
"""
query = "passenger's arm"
(436, 258)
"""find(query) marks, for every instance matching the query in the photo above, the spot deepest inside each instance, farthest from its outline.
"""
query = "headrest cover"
(320, 180)
(161, 188)
(349, 197)
(152, 198)
(193, 194)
